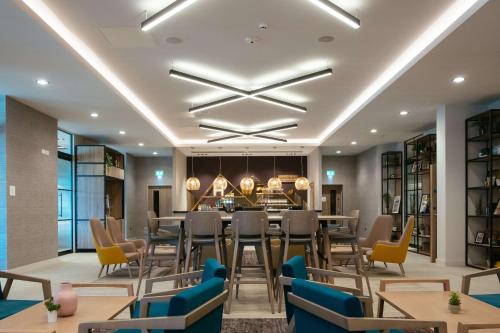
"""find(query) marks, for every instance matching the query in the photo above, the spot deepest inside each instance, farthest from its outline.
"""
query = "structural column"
(179, 192)
(314, 175)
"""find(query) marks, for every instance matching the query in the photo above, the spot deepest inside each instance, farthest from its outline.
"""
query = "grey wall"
(345, 174)
(138, 178)
(32, 212)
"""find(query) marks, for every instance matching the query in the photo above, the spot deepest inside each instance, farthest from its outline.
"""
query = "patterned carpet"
(274, 325)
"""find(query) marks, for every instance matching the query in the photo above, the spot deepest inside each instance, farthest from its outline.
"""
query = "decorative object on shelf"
(109, 160)
(414, 167)
(274, 183)
(424, 165)
(52, 309)
(479, 237)
(484, 152)
(192, 183)
(497, 208)
(496, 149)
(246, 183)
(220, 182)
(454, 302)
(67, 299)
(487, 182)
(395, 204)
(424, 204)
(302, 183)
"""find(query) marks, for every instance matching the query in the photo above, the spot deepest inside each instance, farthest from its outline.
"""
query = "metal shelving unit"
(392, 189)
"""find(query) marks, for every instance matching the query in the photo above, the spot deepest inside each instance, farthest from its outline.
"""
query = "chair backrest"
(299, 222)
(381, 230)
(115, 230)
(250, 223)
(404, 241)
(152, 225)
(353, 224)
(213, 269)
(203, 224)
(99, 234)
(335, 300)
(190, 299)
(294, 268)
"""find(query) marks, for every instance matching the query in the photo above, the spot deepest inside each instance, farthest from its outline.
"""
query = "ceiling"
(213, 46)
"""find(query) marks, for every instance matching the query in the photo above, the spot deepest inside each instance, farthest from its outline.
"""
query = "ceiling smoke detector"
(251, 40)
(173, 40)
(326, 39)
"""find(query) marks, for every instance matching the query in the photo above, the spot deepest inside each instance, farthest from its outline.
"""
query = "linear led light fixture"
(165, 13)
(258, 133)
(337, 12)
(253, 94)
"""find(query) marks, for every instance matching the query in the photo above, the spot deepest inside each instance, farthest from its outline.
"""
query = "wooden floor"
(252, 302)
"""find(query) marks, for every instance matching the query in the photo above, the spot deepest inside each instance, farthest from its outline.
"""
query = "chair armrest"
(127, 247)
(466, 328)
(147, 300)
(168, 292)
(46, 288)
(466, 279)
(385, 243)
(115, 252)
(175, 277)
(128, 286)
(444, 282)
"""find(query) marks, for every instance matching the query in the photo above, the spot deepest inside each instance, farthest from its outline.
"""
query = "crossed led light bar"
(177, 6)
(257, 134)
(256, 94)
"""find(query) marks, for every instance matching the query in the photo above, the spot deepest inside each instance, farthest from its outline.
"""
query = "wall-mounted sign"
(159, 174)
(330, 173)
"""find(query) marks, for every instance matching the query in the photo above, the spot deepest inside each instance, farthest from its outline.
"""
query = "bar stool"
(250, 228)
(160, 236)
(203, 229)
(350, 236)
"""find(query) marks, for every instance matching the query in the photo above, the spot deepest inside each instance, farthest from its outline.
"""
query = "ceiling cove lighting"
(48, 16)
(42, 82)
(256, 94)
(239, 133)
(453, 17)
(165, 13)
(458, 79)
(337, 12)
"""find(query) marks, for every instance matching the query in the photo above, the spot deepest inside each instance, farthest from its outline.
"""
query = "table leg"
(380, 313)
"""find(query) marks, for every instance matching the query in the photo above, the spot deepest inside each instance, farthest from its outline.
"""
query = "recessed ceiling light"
(94, 114)
(42, 82)
(354, 143)
(373, 130)
(458, 79)
(122, 132)
(326, 39)
(155, 153)
(339, 152)
(403, 113)
(141, 144)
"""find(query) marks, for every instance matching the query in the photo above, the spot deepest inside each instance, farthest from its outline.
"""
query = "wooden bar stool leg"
(241, 250)
(231, 278)
(268, 274)
(278, 267)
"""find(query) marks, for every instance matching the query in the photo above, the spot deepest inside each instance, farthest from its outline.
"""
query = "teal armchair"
(492, 299)
(195, 310)
(8, 307)
(321, 309)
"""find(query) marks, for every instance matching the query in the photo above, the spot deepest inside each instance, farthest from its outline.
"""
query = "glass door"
(64, 193)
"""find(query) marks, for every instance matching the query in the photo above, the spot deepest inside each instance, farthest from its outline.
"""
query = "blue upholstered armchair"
(320, 309)
(492, 299)
(195, 310)
(9, 307)
(295, 268)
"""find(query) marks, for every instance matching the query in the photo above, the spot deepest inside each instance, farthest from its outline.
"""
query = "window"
(65, 192)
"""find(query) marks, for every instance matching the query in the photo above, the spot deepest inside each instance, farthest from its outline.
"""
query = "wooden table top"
(90, 308)
(271, 217)
(433, 305)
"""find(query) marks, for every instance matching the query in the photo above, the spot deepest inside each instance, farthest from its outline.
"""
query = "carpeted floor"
(267, 325)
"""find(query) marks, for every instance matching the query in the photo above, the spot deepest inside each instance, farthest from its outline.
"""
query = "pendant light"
(302, 183)
(220, 182)
(192, 183)
(274, 183)
(246, 183)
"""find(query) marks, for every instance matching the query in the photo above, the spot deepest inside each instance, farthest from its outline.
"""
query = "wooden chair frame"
(46, 288)
(466, 279)
(362, 324)
(128, 286)
(385, 283)
(466, 328)
(170, 323)
(148, 283)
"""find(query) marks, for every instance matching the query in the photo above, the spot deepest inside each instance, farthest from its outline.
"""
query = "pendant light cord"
(274, 166)
(301, 167)
(247, 165)
(220, 165)
(192, 166)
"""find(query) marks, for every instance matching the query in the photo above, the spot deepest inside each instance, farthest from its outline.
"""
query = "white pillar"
(450, 139)
(314, 175)
(179, 192)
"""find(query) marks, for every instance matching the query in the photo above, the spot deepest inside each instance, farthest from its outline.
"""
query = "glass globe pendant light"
(246, 183)
(192, 183)
(302, 183)
(220, 182)
(274, 183)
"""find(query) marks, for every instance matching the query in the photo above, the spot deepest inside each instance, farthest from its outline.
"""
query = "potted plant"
(51, 310)
(454, 302)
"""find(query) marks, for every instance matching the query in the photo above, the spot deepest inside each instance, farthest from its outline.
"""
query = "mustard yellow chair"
(389, 252)
(110, 254)
(116, 234)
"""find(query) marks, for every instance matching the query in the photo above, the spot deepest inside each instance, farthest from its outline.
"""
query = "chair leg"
(217, 251)
(278, 267)
(314, 250)
(385, 264)
(107, 269)
(129, 271)
(231, 278)
(268, 275)
(188, 256)
(241, 251)
(402, 269)
(100, 271)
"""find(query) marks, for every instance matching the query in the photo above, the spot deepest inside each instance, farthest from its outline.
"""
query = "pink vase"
(68, 299)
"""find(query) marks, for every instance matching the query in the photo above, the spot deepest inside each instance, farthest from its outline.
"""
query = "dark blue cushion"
(491, 299)
(9, 307)
(293, 268)
(213, 269)
(329, 298)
